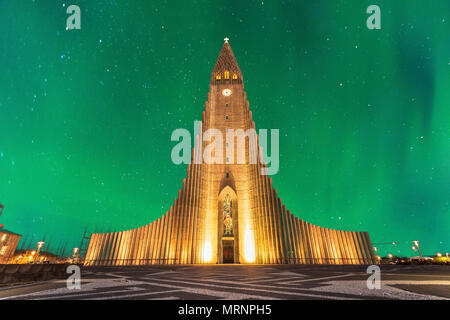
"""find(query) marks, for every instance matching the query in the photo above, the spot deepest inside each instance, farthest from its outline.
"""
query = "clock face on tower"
(226, 92)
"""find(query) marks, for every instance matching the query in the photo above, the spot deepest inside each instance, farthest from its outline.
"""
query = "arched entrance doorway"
(228, 244)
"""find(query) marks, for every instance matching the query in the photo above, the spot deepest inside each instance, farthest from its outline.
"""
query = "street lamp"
(416, 243)
(75, 251)
(376, 253)
(439, 254)
(40, 244)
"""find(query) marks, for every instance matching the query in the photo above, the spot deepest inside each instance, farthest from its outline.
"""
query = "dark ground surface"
(243, 282)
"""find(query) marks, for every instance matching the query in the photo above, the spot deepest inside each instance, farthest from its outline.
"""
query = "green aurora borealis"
(364, 115)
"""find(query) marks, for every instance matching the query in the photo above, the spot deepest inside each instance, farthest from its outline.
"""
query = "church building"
(228, 211)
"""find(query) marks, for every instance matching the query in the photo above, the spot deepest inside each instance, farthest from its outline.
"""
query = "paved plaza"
(242, 282)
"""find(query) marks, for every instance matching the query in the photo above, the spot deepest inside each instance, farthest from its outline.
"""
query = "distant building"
(8, 242)
(31, 256)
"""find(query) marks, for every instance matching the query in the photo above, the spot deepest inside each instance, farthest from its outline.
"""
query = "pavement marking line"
(86, 289)
(133, 295)
(75, 295)
(28, 285)
(326, 278)
(253, 289)
(221, 294)
(275, 286)
(165, 298)
(386, 291)
(414, 275)
(417, 282)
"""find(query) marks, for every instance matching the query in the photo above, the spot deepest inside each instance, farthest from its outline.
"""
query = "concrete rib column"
(151, 243)
(335, 244)
(113, 247)
(158, 239)
(359, 249)
(139, 245)
(298, 240)
(108, 247)
(181, 227)
(143, 246)
(89, 252)
(332, 245)
(193, 235)
(328, 246)
(277, 227)
(350, 247)
(97, 249)
(305, 241)
(370, 248)
(271, 223)
(262, 217)
(126, 247)
(340, 242)
(165, 236)
(346, 246)
(116, 248)
(362, 248)
(102, 248)
(316, 245)
(148, 244)
(267, 219)
(174, 230)
(185, 247)
(292, 255)
(179, 232)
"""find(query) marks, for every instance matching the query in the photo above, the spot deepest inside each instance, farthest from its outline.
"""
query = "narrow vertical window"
(227, 216)
(218, 76)
(234, 76)
(226, 74)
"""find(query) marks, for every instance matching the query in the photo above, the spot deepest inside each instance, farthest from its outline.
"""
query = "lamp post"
(75, 256)
(376, 254)
(40, 244)
(416, 243)
(414, 249)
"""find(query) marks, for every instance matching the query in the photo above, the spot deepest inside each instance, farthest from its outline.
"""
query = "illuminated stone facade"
(8, 244)
(228, 212)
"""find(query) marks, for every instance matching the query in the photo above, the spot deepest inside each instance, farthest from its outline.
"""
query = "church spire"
(226, 68)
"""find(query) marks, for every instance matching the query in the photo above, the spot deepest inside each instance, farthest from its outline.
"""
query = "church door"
(228, 251)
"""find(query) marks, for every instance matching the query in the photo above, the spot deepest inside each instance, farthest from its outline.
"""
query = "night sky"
(364, 115)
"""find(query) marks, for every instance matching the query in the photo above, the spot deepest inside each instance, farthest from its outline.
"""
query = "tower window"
(226, 105)
(218, 76)
(226, 117)
(227, 216)
(228, 175)
(234, 76)
(227, 74)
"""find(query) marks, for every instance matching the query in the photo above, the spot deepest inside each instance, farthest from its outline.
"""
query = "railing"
(341, 261)
(316, 261)
(124, 262)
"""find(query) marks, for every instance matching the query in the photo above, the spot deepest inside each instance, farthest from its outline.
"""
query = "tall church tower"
(230, 184)
(227, 210)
